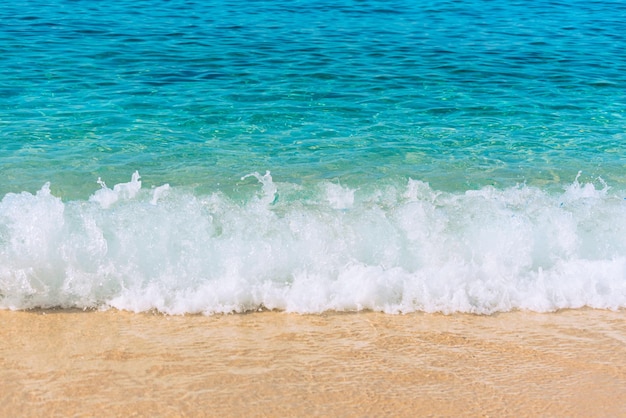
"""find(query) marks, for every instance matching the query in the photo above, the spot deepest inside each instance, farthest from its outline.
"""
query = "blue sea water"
(306, 156)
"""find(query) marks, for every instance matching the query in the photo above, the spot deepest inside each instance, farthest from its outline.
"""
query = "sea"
(312, 156)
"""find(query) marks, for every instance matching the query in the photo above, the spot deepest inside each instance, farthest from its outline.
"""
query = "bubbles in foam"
(339, 197)
(393, 248)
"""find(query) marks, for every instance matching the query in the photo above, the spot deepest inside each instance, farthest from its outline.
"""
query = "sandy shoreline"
(64, 363)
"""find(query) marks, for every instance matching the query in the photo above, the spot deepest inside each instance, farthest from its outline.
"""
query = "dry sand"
(68, 363)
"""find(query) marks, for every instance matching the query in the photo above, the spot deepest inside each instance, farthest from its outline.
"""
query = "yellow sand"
(60, 363)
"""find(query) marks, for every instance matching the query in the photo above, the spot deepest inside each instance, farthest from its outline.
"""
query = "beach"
(293, 208)
(116, 363)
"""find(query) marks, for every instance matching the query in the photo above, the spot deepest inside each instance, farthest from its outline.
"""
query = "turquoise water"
(312, 156)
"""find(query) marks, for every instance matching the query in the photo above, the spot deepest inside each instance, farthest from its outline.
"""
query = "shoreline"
(116, 363)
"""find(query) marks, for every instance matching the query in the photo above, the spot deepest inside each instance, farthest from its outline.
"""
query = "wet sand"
(69, 363)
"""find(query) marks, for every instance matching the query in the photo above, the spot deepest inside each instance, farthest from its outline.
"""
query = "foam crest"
(394, 248)
(339, 197)
(106, 197)
(268, 195)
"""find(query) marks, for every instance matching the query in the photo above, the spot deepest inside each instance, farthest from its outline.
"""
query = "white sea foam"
(106, 197)
(395, 249)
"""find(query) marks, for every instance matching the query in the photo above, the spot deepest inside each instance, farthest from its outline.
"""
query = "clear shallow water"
(422, 157)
